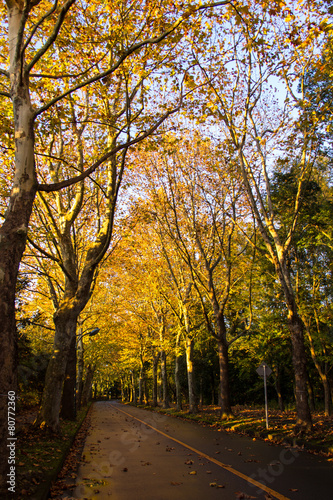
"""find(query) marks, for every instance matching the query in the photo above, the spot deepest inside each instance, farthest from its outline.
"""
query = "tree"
(237, 99)
(40, 41)
(197, 205)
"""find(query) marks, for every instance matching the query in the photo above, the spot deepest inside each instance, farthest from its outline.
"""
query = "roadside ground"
(47, 466)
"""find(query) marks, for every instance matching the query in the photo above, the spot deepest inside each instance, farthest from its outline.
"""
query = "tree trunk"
(155, 365)
(65, 323)
(133, 389)
(190, 375)
(13, 232)
(322, 373)
(224, 397)
(177, 383)
(141, 385)
(68, 401)
(86, 392)
(277, 386)
(80, 368)
(165, 403)
(304, 421)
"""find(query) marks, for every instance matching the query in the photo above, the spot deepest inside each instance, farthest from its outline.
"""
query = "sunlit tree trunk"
(177, 381)
(190, 375)
(13, 232)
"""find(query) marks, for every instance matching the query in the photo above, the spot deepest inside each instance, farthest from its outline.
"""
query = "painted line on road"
(263, 487)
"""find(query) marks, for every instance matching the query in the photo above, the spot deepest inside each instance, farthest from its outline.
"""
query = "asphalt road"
(131, 453)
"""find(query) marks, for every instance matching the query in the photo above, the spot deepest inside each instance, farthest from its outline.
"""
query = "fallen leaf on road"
(188, 462)
(240, 495)
(293, 489)
(174, 483)
(193, 473)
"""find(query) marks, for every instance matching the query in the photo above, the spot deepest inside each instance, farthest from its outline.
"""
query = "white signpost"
(264, 371)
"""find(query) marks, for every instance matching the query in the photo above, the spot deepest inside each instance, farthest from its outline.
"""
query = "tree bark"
(165, 403)
(177, 383)
(68, 401)
(190, 375)
(13, 232)
(224, 397)
(304, 420)
(80, 368)
(65, 323)
(88, 384)
(155, 365)
(277, 386)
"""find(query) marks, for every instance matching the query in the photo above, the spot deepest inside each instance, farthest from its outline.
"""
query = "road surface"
(132, 453)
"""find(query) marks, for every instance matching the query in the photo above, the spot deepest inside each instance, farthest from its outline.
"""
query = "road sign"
(264, 370)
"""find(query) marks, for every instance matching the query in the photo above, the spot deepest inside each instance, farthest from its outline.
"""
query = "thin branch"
(69, 182)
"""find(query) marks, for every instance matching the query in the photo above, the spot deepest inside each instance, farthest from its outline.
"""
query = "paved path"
(134, 454)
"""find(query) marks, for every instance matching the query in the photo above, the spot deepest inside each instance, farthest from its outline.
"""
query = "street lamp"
(92, 332)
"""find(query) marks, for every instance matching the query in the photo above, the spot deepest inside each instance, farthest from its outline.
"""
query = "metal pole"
(265, 388)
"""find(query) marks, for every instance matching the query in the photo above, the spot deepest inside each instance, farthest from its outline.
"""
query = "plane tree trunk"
(13, 232)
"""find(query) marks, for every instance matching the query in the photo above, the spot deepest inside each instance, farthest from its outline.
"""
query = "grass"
(40, 457)
(252, 422)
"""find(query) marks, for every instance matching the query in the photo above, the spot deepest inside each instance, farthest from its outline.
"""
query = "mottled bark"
(13, 232)
(48, 416)
(190, 375)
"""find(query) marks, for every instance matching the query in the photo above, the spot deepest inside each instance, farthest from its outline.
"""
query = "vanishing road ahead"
(131, 453)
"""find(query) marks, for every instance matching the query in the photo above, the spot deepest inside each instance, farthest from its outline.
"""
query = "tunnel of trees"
(166, 204)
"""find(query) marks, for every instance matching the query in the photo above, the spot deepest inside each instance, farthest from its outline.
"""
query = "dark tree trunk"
(165, 403)
(304, 421)
(224, 399)
(48, 416)
(87, 385)
(277, 386)
(68, 401)
(80, 368)
(177, 383)
(155, 365)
